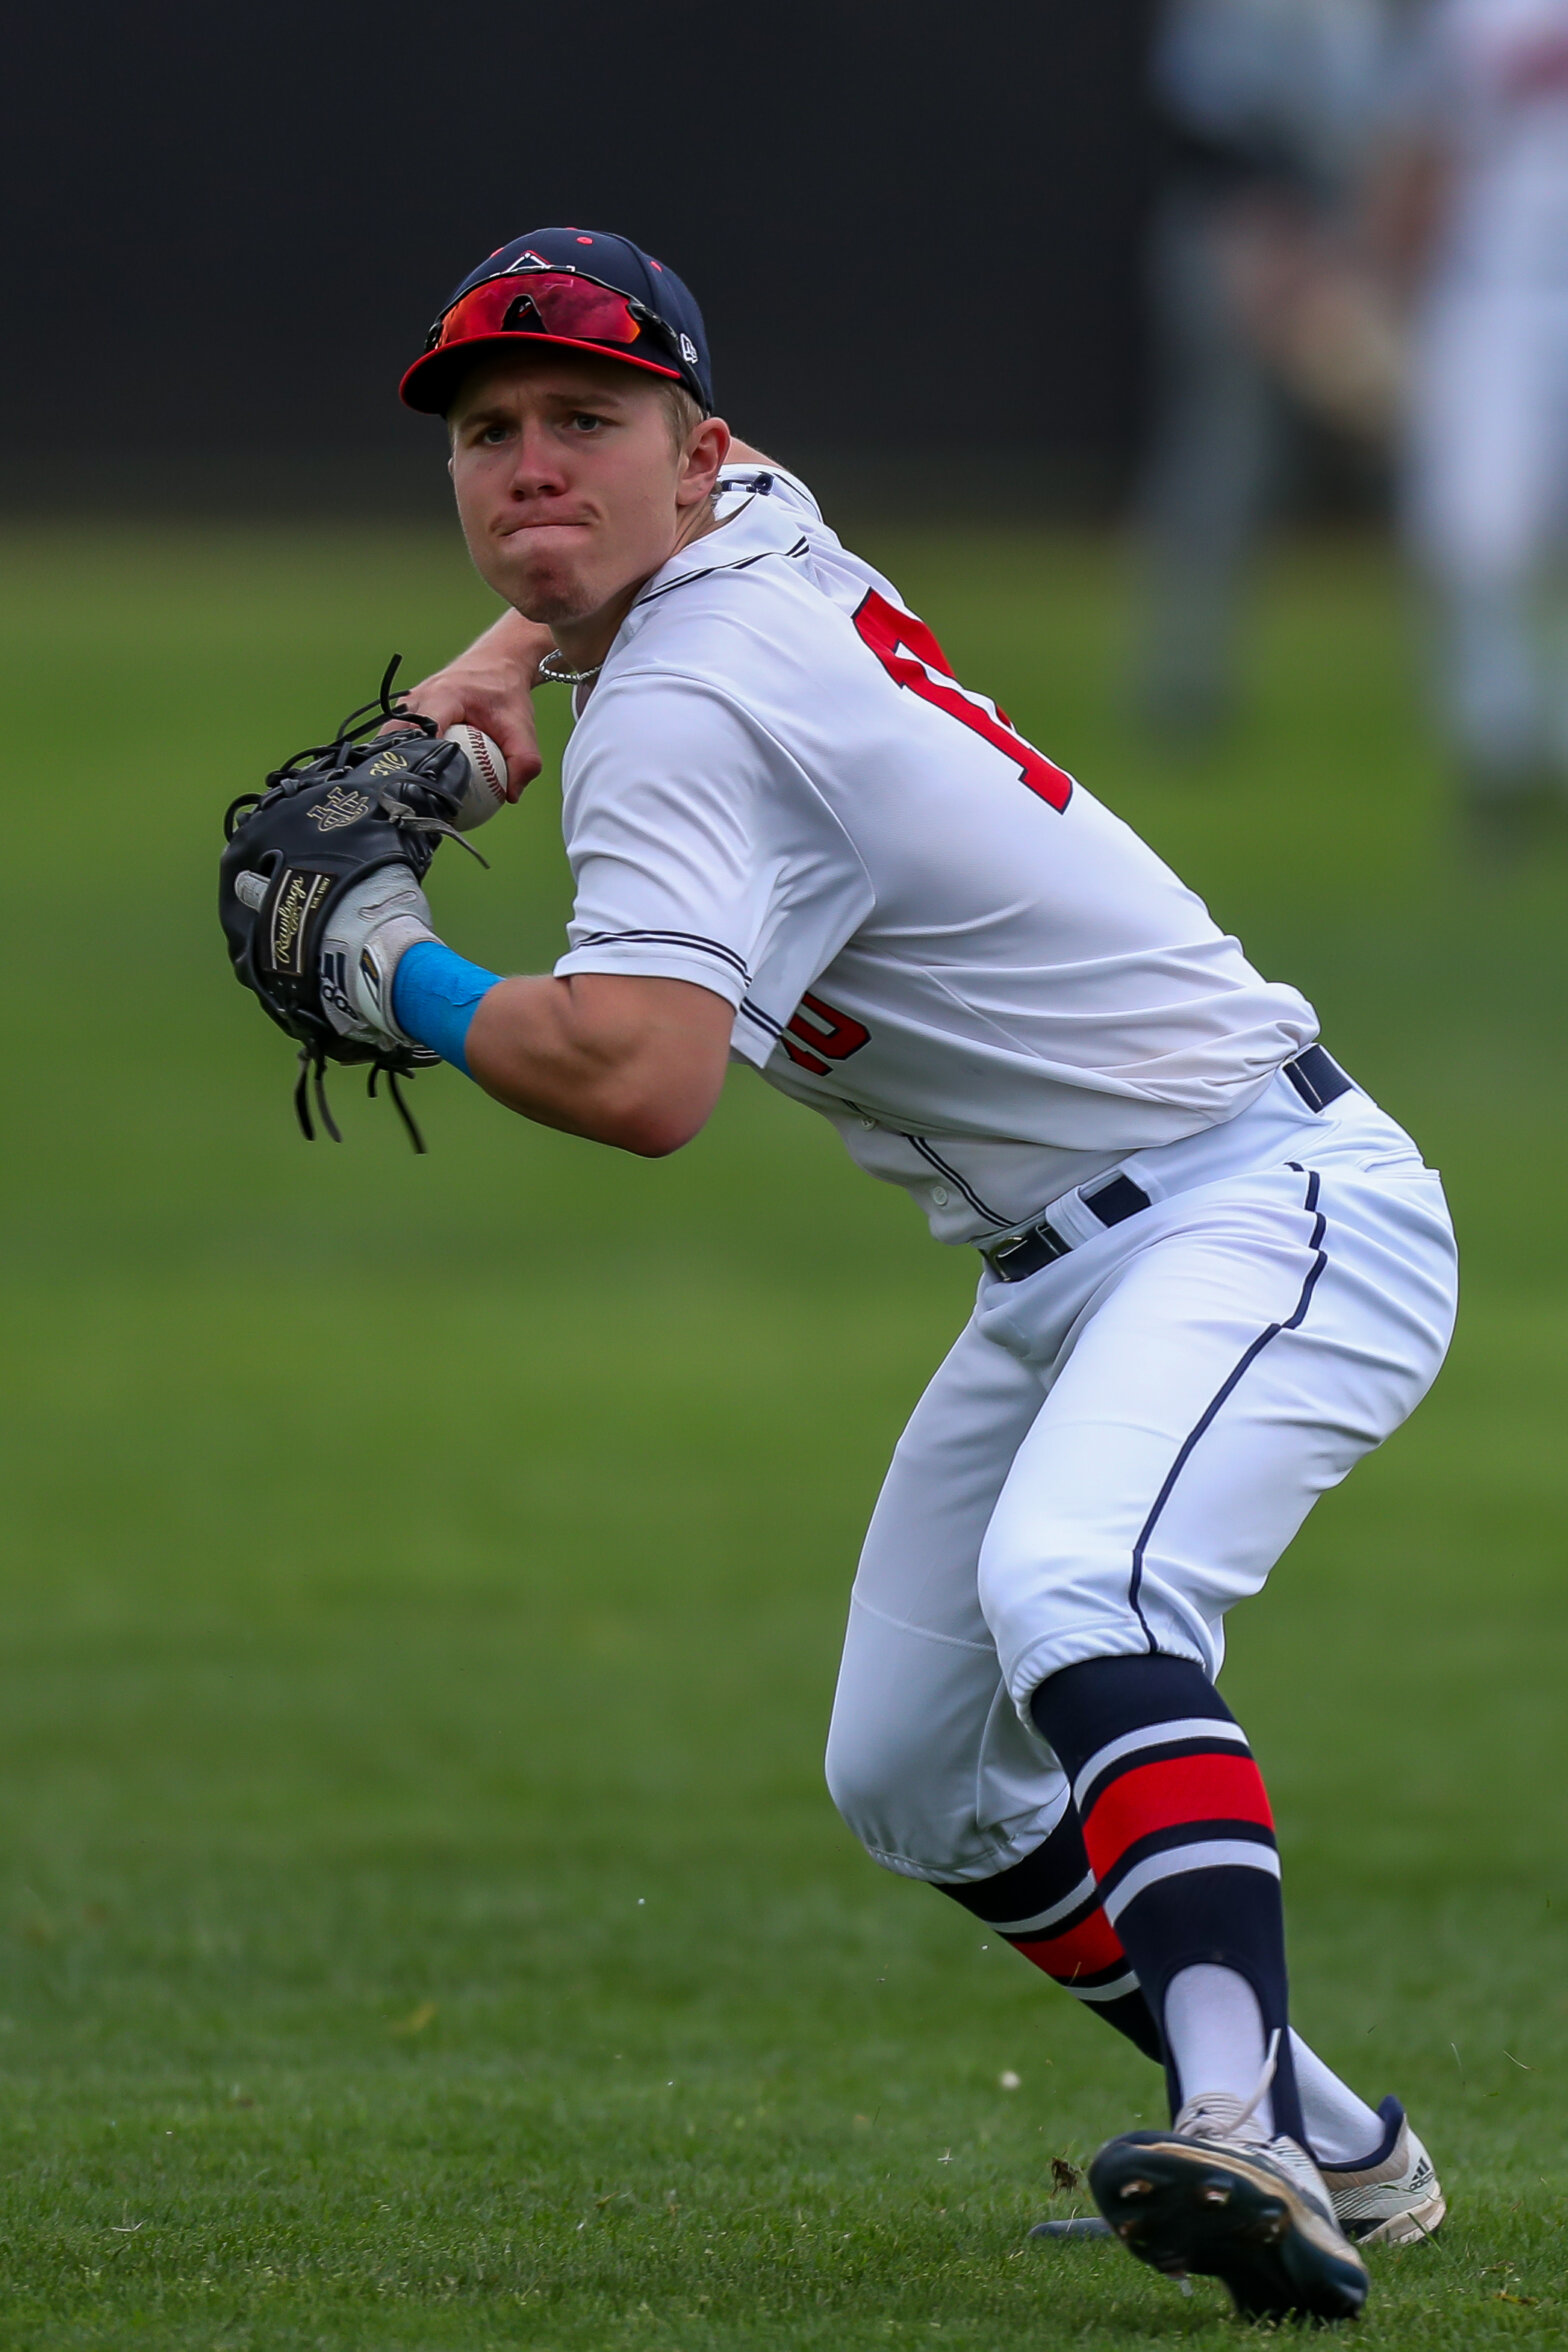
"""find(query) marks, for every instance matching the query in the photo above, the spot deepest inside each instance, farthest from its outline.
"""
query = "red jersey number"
(909, 653)
(827, 1031)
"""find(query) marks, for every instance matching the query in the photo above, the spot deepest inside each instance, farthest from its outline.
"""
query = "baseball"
(486, 777)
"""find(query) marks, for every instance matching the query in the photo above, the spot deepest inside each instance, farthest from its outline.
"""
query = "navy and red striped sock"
(1048, 1908)
(1178, 1833)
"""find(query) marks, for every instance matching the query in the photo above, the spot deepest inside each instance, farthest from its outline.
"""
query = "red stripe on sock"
(1166, 1794)
(1083, 1951)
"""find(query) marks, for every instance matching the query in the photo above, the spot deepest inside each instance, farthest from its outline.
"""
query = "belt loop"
(1117, 1199)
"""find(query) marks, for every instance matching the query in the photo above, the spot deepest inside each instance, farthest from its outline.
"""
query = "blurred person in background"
(1470, 209)
(1264, 316)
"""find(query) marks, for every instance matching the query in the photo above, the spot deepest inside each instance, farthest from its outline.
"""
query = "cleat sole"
(1218, 2215)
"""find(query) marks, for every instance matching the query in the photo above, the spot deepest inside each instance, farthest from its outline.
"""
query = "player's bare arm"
(620, 1059)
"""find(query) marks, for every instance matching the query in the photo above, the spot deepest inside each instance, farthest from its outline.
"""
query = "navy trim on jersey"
(1292, 1322)
(741, 564)
(713, 947)
(971, 1196)
(763, 1020)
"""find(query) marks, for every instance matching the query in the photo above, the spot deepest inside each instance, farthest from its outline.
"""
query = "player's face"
(568, 481)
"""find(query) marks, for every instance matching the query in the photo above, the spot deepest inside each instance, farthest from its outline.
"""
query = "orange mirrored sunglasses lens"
(540, 303)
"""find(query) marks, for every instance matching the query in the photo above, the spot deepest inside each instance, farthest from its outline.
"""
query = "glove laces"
(312, 1079)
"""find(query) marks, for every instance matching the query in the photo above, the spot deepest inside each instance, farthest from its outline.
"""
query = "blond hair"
(682, 414)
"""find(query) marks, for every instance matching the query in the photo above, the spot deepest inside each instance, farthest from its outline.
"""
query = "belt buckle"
(1038, 1237)
(997, 1259)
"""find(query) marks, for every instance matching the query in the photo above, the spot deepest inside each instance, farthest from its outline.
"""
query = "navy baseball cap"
(580, 290)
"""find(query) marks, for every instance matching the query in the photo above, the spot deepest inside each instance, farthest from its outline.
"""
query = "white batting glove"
(369, 930)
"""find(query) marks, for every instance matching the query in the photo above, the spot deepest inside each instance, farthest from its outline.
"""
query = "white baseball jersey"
(930, 933)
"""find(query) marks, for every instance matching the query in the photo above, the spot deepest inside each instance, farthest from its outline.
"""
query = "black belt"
(1316, 1077)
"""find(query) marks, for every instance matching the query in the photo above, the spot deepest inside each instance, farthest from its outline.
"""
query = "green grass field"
(422, 1921)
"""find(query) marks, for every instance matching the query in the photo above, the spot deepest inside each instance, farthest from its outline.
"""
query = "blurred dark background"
(915, 232)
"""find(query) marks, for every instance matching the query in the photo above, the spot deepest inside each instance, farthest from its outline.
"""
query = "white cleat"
(1392, 2198)
(1218, 2196)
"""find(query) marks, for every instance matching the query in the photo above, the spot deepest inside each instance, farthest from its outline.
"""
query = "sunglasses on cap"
(565, 308)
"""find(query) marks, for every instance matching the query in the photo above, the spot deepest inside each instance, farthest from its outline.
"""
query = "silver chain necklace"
(557, 677)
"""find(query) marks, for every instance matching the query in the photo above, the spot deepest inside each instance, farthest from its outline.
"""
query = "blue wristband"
(435, 995)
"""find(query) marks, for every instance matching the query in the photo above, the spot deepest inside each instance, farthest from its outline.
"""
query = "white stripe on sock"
(1216, 1854)
(1154, 1735)
(1114, 1991)
(1043, 1919)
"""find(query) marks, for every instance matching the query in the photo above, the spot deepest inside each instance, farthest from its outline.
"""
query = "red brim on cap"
(430, 383)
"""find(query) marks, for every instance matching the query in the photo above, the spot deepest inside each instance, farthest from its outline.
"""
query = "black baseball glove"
(319, 891)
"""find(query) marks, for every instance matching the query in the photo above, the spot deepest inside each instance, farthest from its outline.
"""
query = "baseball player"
(1212, 1273)
(1474, 203)
(1264, 109)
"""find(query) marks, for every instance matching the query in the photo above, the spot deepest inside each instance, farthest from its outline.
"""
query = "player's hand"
(369, 929)
(491, 686)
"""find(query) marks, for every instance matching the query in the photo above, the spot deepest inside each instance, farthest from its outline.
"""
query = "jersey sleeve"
(770, 481)
(700, 853)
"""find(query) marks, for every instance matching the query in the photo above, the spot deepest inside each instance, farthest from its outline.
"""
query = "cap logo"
(531, 260)
(688, 351)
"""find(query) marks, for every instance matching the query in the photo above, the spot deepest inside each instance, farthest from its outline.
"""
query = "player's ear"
(705, 452)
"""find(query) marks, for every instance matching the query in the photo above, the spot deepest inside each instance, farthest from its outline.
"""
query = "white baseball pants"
(1119, 1448)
